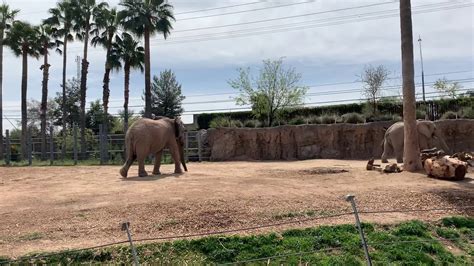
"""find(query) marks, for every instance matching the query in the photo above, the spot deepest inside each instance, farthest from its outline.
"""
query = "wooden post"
(186, 156)
(75, 144)
(106, 143)
(101, 144)
(30, 157)
(8, 153)
(51, 146)
(198, 136)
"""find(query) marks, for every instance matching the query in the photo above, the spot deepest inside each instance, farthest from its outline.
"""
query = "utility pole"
(422, 71)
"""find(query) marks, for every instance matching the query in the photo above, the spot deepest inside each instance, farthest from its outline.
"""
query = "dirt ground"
(55, 208)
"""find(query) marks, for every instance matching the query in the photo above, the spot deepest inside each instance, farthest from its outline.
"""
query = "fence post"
(51, 146)
(125, 227)
(106, 143)
(30, 147)
(8, 155)
(101, 144)
(75, 143)
(186, 156)
(350, 198)
(198, 136)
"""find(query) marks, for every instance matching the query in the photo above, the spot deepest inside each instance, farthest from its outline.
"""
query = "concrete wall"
(337, 141)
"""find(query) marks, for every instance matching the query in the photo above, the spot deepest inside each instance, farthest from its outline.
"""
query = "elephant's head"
(431, 132)
(180, 139)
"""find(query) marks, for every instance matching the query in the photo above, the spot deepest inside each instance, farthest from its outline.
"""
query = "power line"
(217, 8)
(271, 29)
(246, 11)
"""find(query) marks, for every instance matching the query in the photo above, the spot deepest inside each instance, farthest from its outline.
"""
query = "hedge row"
(434, 109)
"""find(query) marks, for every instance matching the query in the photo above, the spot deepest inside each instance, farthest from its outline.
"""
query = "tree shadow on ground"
(150, 177)
(461, 196)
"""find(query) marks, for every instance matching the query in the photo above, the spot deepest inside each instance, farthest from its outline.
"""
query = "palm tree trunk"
(64, 96)
(24, 121)
(85, 66)
(411, 148)
(125, 96)
(2, 31)
(147, 74)
(44, 103)
(106, 89)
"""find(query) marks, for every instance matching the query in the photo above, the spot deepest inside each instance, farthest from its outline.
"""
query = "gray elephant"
(151, 136)
(428, 137)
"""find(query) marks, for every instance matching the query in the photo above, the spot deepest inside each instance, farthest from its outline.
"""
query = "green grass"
(408, 243)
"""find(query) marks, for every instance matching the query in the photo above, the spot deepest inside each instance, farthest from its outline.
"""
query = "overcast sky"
(328, 41)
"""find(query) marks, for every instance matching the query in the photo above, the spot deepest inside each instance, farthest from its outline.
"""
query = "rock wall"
(337, 141)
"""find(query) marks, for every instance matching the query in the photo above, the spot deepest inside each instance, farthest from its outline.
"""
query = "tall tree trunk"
(64, 96)
(125, 96)
(85, 66)
(44, 102)
(24, 117)
(147, 74)
(2, 31)
(106, 89)
(411, 151)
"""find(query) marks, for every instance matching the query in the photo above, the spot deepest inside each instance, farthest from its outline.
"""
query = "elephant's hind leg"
(156, 169)
(126, 166)
(387, 150)
(141, 156)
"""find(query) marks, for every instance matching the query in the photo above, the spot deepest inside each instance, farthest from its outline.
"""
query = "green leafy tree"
(129, 54)
(7, 16)
(70, 106)
(96, 116)
(275, 89)
(166, 97)
(447, 88)
(23, 41)
(146, 18)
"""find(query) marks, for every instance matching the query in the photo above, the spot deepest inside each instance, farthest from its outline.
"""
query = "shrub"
(236, 123)
(252, 123)
(299, 120)
(353, 118)
(314, 119)
(467, 112)
(220, 121)
(328, 119)
(449, 115)
(420, 114)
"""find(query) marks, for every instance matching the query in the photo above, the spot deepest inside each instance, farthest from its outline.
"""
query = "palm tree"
(7, 16)
(411, 152)
(23, 41)
(128, 51)
(145, 18)
(47, 40)
(61, 21)
(106, 27)
(83, 11)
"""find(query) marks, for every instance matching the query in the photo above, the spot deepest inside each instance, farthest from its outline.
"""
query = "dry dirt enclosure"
(54, 208)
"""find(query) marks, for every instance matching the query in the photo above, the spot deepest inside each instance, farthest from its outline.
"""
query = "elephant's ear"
(177, 126)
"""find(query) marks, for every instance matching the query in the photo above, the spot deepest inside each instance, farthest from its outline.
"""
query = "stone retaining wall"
(337, 141)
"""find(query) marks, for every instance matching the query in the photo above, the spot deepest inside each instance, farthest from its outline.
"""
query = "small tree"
(274, 90)
(448, 89)
(373, 79)
(96, 116)
(71, 106)
(166, 97)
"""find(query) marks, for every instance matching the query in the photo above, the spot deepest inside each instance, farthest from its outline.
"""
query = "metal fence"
(92, 255)
(101, 148)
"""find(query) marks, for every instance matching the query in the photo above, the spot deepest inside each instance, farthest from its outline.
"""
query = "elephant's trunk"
(182, 158)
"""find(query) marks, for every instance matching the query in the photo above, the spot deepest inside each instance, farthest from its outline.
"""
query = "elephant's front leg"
(156, 169)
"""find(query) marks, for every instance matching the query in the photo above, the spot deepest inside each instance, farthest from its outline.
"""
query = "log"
(446, 168)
